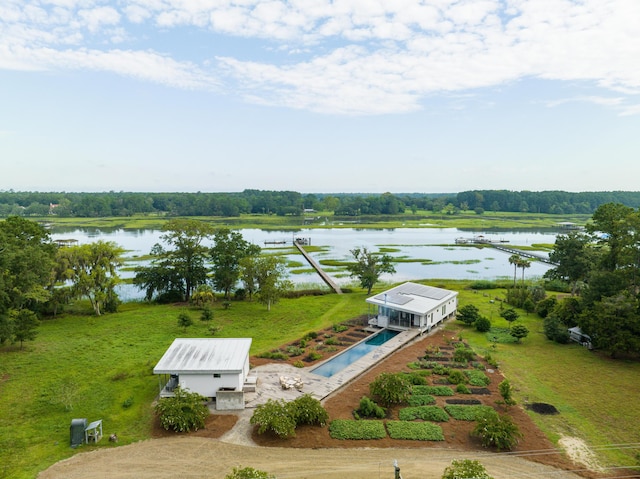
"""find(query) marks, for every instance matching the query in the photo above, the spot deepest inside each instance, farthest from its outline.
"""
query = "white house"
(205, 366)
(413, 305)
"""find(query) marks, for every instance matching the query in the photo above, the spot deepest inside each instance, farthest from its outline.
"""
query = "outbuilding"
(205, 366)
(413, 305)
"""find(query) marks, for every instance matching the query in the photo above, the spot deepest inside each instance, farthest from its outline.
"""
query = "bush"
(275, 416)
(248, 473)
(308, 410)
(340, 328)
(465, 468)
(368, 408)
(457, 377)
(463, 354)
(544, 307)
(415, 431)
(477, 378)
(183, 412)
(483, 324)
(298, 364)
(314, 356)
(416, 378)
(391, 388)
(519, 331)
(468, 314)
(505, 391)
(462, 389)
(350, 429)
(207, 314)
(497, 431)
(555, 330)
(184, 320)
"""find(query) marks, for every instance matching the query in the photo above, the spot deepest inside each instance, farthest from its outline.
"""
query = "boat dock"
(325, 277)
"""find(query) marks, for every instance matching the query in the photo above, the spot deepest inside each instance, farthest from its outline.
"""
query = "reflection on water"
(434, 247)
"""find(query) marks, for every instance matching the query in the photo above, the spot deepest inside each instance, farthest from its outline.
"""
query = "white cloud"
(359, 56)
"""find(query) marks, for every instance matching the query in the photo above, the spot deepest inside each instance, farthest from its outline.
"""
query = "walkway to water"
(325, 277)
(319, 387)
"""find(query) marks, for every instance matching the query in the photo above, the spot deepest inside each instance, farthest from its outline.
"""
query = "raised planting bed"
(415, 431)
(466, 402)
(467, 413)
(357, 430)
(480, 391)
(426, 413)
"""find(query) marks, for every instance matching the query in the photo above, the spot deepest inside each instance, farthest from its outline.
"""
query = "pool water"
(344, 359)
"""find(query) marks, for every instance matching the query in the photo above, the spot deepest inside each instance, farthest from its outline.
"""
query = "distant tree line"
(292, 203)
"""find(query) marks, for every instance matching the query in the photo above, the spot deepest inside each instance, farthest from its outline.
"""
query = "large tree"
(269, 273)
(181, 266)
(369, 266)
(26, 261)
(92, 270)
(226, 254)
(573, 255)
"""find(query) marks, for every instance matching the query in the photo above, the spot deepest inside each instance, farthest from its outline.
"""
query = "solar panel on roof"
(424, 291)
(393, 298)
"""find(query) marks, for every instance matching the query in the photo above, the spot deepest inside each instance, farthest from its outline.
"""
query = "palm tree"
(514, 259)
(524, 263)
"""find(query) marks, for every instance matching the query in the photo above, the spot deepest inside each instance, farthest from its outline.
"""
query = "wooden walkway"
(519, 252)
(325, 277)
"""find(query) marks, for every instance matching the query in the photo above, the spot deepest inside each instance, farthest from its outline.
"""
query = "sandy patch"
(579, 452)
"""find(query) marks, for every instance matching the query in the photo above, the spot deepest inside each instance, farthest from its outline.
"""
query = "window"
(217, 375)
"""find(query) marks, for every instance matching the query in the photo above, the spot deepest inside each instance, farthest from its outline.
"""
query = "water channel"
(435, 248)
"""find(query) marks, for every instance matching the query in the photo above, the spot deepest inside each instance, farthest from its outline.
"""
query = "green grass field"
(81, 366)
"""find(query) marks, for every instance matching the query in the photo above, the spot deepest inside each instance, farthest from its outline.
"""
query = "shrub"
(298, 364)
(457, 377)
(440, 369)
(462, 354)
(519, 331)
(426, 413)
(350, 429)
(391, 388)
(332, 341)
(294, 351)
(207, 314)
(368, 408)
(340, 328)
(248, 473)
(506, 392)
(555, 330)
(462, 389)
(184, 320)
(544, 307)
(127, 403)
(468, 314)
(416, 378)
(308, 410)
(483, 324)
(314, 356)
(275, 416)
(240, 294)
(497, 431)
(183, 412)
(415, 431)
(465, 468)
(310, 335)
(477, 378)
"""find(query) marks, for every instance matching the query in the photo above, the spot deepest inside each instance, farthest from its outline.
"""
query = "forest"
(291, 203)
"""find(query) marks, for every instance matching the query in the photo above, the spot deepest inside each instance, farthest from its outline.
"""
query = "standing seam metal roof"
(204, 356)
(413, 298)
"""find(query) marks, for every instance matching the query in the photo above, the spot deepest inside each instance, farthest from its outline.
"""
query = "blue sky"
(319, 96)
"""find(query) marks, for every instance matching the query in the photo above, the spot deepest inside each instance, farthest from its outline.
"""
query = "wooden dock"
(325, 277)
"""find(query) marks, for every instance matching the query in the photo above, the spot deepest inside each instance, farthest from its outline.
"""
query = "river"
(434, 247)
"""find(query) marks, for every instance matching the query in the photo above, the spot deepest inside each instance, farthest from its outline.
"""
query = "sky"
(319, 96)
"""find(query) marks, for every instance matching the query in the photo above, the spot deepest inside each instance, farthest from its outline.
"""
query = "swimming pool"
(344, 359)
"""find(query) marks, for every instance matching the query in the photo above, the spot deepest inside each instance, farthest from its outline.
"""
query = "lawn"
(81, 366)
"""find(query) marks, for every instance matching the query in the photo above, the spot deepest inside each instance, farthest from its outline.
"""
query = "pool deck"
(268, 385)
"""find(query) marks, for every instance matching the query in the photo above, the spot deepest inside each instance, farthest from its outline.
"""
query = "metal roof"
(204, 356)
(413, 298)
